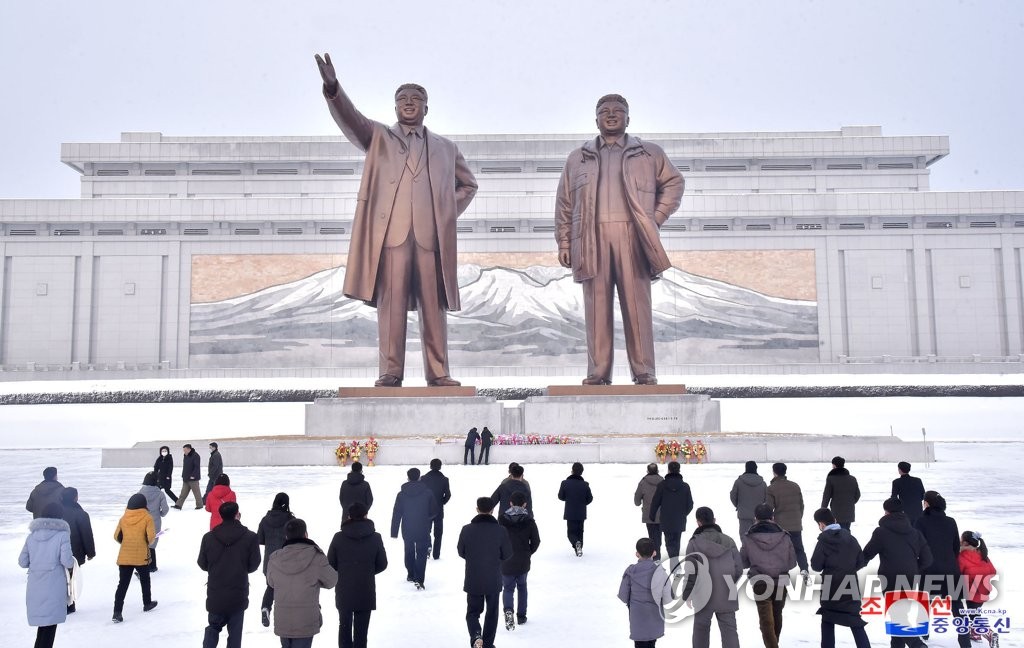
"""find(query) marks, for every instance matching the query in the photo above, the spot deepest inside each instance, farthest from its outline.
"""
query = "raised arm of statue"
(356, 127)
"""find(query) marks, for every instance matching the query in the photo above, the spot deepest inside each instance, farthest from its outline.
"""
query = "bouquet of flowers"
(687, 450)
(355, 450)
(700, 451)
(341, 453)
(371, 445)
(661, 450)
(674, 449)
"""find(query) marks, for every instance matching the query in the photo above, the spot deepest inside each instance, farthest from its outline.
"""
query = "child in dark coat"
(645, 588)
(525, 538)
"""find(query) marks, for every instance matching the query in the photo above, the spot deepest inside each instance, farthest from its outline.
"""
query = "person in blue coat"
(575, 492)
(47, 556)
(415, 507)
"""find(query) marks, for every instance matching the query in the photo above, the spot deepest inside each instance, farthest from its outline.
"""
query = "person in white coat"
(47, 556)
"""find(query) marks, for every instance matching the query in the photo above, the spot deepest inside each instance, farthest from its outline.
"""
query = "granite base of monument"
(668, 414)
(723, 448)
(393, 416)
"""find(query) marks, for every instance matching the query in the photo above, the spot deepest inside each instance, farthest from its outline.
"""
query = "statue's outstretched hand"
(330, 77)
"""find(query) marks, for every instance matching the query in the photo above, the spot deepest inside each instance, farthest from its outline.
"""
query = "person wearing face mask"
(163, 468)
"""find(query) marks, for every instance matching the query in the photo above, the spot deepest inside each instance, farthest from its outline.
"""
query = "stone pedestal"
(672, 415)
(394, 415)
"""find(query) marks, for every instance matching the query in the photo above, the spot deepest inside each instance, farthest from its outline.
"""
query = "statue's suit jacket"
(653, 189)
(452, 186)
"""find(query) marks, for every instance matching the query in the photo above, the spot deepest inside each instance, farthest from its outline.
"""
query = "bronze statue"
(615, 193)
(402, 255)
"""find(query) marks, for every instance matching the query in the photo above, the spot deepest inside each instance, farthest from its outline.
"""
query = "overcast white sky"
(85, 71)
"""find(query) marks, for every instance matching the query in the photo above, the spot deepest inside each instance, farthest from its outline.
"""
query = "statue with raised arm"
(614, 195)
(402, 255)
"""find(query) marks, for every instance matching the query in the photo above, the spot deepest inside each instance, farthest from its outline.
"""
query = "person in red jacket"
(978, 571)
(219, 494)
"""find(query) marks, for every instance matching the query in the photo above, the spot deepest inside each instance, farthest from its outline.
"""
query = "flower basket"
(371, 446)
(341, 453)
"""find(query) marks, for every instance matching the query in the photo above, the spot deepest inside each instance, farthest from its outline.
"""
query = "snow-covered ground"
(572, 600)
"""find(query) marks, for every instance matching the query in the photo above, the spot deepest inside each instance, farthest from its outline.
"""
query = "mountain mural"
(509, 317)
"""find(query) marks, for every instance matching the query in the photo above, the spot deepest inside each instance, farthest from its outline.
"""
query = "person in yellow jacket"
(135, 532)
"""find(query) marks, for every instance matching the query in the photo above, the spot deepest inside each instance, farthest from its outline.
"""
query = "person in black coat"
(841, 493)
(908, 490)
(190, 467)
(163, 468)
(214, 468)
(47, 491)
(903, 554)
(486, 439)
(575, 492)
(83, 545)
(838, 557)
(674, 500)
(415, 507)
(525, 539)
(354, 489)
(484, 544)
(228, 553)
(513, 484)
(438, 485)
(471, 440)
(270, 534)
(943, 537)
(357, 553)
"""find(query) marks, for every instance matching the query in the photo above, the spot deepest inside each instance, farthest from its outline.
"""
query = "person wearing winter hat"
(838, 557)
(841, 493)
(903, 554)
(221, 493)
(909, 490)
(83, 545)
(156, 504)
(525, 539)
(270, 534)
(46, 491)
(357, 553)
(47, 556)
(135, 532)
(748, 491)
(297, 572)
(769, 554)
(712, 558)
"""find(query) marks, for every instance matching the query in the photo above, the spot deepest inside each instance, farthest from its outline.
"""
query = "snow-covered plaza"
(572, 600)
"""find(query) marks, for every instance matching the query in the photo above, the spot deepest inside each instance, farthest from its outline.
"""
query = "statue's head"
(410, 104)
(612, 115)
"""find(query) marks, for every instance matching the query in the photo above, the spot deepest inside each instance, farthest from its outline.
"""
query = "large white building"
(797, 251)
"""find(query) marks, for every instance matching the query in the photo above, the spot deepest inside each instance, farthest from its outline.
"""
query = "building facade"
(795, 251)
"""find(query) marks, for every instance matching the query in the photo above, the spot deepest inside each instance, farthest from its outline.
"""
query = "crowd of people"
(917, 544)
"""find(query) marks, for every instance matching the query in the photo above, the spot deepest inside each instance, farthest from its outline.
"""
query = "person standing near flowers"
(486, 439)
(978, 570)
(47, 556)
